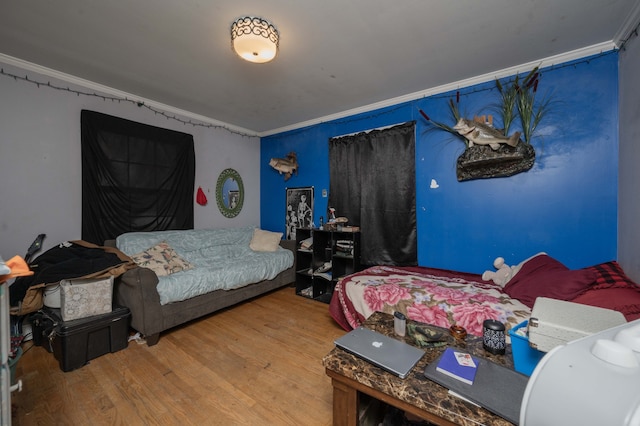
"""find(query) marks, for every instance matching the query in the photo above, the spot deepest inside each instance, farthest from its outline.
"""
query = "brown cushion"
(543, 276)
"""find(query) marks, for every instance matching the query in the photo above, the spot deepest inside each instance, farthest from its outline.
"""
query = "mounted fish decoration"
(287, 165)
(492, 153)
(482, 134)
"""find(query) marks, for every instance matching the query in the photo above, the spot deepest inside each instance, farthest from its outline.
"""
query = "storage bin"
(82, 298)
(77, 342)
(525, 358)
(557, 322)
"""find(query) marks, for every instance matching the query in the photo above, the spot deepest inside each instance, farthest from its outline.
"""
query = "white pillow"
(265, 240)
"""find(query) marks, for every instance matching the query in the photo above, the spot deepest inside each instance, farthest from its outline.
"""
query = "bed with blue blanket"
(183, 275)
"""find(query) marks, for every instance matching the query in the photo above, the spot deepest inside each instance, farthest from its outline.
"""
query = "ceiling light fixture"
(254, 39)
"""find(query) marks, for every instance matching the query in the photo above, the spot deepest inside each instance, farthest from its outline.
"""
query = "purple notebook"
(459, 365)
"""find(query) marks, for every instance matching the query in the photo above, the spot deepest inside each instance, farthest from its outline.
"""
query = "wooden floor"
(257, 363)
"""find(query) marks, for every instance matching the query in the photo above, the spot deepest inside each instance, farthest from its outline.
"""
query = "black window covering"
(372, 183)
(135, 177)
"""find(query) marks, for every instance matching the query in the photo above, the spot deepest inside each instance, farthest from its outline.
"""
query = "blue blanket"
(222, 259)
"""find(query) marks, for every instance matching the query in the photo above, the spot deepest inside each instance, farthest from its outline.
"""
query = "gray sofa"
(136, 289)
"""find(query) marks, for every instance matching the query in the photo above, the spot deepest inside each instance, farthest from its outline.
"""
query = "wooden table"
(352, 376)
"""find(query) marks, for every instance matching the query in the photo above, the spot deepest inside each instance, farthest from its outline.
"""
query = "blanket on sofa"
(222, 259)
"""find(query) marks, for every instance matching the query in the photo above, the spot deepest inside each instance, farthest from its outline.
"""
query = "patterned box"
(81, 298)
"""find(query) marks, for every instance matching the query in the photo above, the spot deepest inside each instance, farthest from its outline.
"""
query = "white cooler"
(556, 322)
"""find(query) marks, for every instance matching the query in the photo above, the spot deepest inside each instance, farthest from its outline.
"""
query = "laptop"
(390, 354)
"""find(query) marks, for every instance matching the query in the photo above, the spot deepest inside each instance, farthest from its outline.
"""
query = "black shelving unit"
(336, 251)
(304, 263)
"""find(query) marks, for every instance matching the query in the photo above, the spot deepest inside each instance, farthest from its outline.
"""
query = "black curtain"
(135, 177)
(372, 183)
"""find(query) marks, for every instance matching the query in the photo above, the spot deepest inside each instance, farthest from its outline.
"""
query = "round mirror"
(229, 193)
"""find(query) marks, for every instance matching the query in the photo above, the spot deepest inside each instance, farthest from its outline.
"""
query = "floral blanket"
(437, 297)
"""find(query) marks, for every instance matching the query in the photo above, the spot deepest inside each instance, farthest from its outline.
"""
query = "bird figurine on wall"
(287, 165)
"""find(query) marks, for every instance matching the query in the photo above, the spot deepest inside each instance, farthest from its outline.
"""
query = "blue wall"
(566, 205)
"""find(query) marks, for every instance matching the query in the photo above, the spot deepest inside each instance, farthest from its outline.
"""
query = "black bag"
(42, 327)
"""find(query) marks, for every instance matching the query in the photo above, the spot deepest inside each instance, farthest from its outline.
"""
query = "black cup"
(493, 337)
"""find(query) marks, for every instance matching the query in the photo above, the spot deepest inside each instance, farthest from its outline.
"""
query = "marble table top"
(416, 389)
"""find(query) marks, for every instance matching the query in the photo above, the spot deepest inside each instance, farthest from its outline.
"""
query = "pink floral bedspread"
(431, 296)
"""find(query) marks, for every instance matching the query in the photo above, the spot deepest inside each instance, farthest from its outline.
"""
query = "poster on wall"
(299, 210)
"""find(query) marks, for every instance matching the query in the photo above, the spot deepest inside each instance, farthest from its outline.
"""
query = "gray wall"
(40, 170)
(629, 165)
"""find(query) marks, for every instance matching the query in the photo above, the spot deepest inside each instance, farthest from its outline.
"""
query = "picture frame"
(234, 198)
(299, 210)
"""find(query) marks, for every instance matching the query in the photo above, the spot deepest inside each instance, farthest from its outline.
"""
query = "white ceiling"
(335, 55)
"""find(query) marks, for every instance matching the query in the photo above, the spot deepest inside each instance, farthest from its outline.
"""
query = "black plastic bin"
(76, 342)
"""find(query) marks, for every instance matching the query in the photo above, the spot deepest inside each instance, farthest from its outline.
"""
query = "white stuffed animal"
(503, 272)
(502, 275)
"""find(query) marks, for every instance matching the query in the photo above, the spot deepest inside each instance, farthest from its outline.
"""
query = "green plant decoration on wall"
(492, 152)
(229, 193)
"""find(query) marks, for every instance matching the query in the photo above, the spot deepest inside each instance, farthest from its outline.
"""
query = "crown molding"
(551, 60)
(29, 66)
(628, 26)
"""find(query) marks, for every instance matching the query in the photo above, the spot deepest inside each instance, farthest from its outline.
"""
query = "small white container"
(399, 323)
(51, 296)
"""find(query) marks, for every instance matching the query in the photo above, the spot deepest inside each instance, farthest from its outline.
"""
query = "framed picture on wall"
(299, 210)
(234, 198)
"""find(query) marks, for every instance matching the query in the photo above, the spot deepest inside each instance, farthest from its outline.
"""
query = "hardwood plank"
(259, 362)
